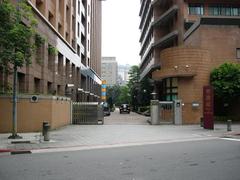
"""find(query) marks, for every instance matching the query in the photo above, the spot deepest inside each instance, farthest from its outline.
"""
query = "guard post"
(178, 112)
(155, 112)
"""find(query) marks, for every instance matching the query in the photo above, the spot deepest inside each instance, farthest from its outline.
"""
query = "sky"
(120, 32)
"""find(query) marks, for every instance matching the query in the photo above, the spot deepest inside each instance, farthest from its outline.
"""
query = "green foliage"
(39, 40)
(140, 91)
(134, 76)
(124, 96)
(226, 81)
(52, 50)
(16, 46)
(113, 93)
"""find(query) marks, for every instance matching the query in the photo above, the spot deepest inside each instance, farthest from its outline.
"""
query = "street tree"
(226, 81)
(113, 93)
(17, 29)
(124, 96)
(140, 91)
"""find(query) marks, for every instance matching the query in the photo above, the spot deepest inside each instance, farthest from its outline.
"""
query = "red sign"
(208, 107)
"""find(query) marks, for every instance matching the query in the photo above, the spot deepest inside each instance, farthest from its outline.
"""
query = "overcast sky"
(120, 33)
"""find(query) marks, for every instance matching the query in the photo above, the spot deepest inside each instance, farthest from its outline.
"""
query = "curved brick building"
(182, 41)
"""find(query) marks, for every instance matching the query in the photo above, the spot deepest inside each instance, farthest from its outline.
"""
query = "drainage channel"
(15, 152)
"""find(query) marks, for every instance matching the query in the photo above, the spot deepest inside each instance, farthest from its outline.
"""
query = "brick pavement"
(119, 129)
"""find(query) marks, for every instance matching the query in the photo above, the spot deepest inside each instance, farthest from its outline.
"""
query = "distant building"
(110, 70)
(123, 74)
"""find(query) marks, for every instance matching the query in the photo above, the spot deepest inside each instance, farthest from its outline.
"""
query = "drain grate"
(21, 142)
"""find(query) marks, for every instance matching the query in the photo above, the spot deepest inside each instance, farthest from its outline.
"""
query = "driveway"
(125, 119)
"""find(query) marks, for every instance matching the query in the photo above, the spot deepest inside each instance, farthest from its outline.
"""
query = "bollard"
(229, 125)
(201, 122)
(45, 131)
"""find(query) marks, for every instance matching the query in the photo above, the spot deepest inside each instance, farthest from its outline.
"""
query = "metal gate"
(166, 111)
(87, 113)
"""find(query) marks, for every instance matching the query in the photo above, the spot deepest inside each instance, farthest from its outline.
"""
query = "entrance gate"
(87, 113)
(166, 112)
(169, 112)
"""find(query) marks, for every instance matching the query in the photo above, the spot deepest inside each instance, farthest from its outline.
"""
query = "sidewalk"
(114, 135)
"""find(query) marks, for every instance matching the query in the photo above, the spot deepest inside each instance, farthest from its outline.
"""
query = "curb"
(14, 152)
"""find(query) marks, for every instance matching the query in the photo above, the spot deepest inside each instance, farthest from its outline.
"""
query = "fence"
(87, 113)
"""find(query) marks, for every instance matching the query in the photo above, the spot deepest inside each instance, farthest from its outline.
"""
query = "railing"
(87, 113)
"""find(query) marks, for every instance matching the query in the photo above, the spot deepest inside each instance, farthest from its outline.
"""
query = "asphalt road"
(199, 160)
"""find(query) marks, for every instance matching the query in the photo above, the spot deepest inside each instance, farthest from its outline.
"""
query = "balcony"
(149, 69)
(82, 29)
(166, 40)
(168, 15)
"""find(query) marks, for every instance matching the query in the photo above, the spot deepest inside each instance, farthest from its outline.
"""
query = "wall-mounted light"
(187, 66)
(195, 104)
(79, 89)
(70, 85)
(175, 67)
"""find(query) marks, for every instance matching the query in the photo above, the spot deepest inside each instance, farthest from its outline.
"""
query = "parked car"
(124, 108)
(106, 109)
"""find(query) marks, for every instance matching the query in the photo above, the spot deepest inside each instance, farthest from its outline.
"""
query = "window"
(49, 87)
(78, 50)
(37, 85)
(196, 9)
(50, 17)
(223, 10)
(79, 7)
(238, 53)
(88, 10)
(170, 89)
(235, 11)
(215, 10)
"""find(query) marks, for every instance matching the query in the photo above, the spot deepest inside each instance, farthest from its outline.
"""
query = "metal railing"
(87, 113)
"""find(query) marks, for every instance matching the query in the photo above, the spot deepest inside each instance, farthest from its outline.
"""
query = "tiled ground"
(118, 129)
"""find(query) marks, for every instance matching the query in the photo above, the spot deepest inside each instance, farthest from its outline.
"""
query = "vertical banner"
(208, 109)
(104, 89)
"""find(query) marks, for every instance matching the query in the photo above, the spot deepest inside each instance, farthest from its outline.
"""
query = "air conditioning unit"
(34, 98)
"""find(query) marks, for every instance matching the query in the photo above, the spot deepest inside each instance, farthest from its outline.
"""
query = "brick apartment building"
(182, 41)
(73, 29)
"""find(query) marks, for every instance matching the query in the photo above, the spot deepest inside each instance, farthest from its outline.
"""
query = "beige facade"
(31, 115)
(181, 42)
(110, 70)
(67, 27)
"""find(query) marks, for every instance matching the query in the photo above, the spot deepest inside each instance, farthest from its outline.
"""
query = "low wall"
(31, 114)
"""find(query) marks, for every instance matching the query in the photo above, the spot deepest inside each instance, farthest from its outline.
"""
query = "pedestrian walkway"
(114, 133)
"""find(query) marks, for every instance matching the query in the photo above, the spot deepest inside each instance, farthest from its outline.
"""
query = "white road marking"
(231, 139)
(79, 148)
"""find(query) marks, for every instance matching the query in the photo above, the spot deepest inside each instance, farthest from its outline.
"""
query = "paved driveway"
(125, 119)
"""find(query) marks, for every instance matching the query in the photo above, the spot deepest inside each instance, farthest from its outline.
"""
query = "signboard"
(208, 108)
(104, 88)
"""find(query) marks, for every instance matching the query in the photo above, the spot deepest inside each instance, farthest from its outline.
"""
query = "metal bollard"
(45, 131)
(229, 125)
(201, 122)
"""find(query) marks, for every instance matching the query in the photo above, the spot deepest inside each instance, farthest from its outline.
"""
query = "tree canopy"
(226, 81)
(17, 28)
